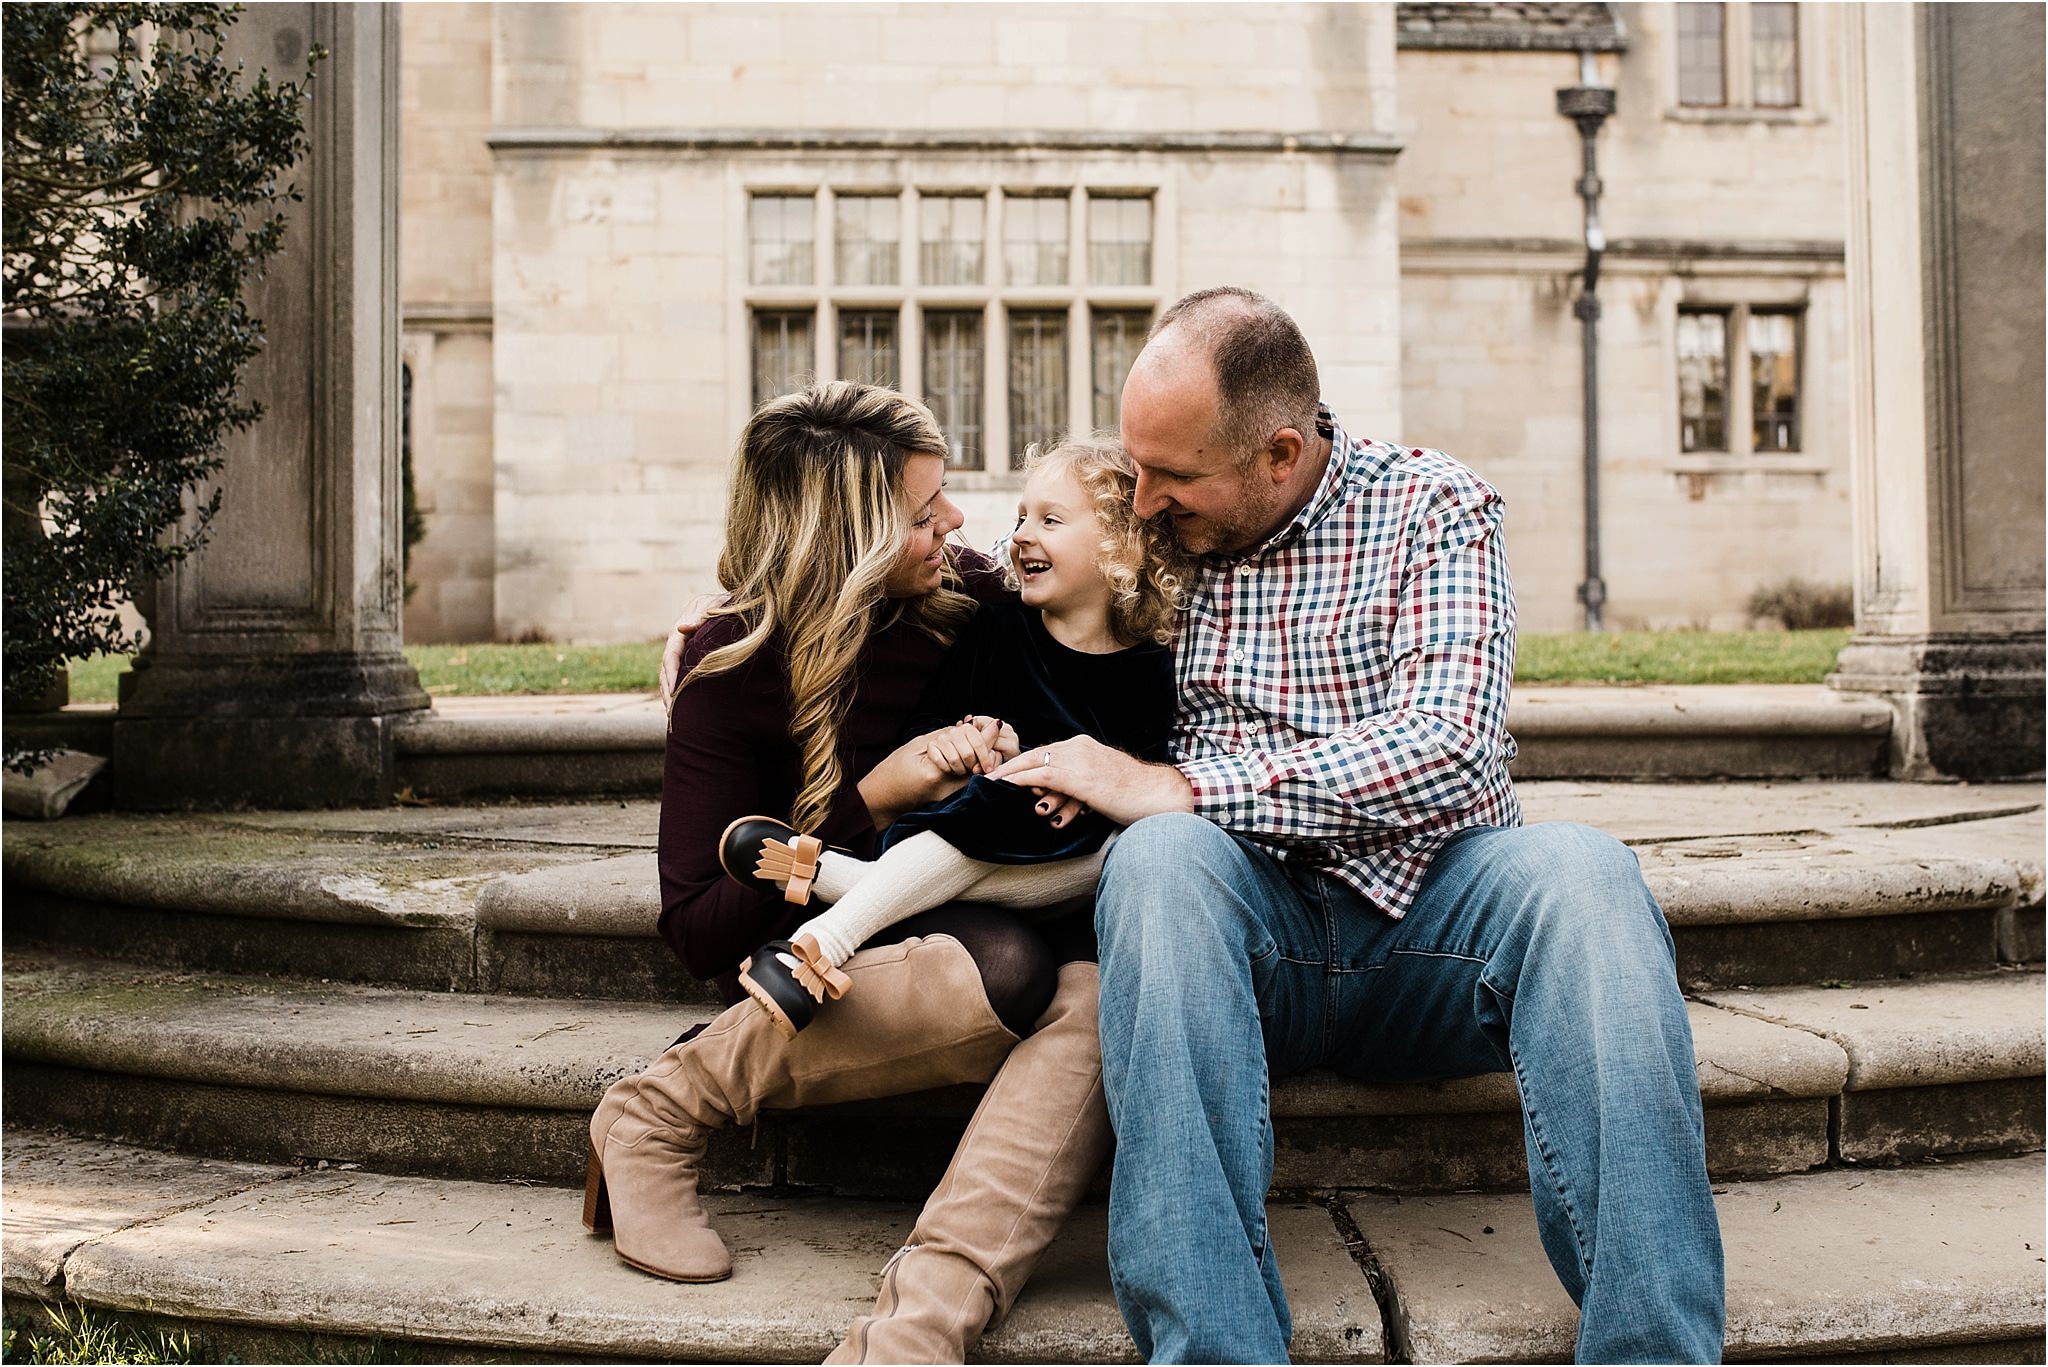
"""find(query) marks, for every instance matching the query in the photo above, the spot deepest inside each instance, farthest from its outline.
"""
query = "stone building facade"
(624, 224)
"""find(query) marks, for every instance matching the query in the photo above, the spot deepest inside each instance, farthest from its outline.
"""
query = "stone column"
(273, 673)
(1945, 274)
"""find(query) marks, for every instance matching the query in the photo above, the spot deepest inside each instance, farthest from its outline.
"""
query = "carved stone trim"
(555, 140)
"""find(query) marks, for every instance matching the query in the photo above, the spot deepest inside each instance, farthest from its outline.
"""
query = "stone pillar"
(274, 672)
(1945, 274)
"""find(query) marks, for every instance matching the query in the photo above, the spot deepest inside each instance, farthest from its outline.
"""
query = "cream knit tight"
(923, 872)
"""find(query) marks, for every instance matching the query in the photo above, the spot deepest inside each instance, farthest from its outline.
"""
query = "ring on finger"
(1045, 759)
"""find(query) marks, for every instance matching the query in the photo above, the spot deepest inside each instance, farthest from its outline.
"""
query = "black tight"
(1018, 963)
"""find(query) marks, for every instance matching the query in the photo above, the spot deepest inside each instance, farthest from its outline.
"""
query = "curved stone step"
(501, 1086)
(612, 743)
(1929, 1263)
(1762, 882)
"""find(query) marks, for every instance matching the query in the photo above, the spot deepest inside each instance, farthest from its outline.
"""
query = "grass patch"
(471, 669)
(92, 679)
(544, 668)
(75, 1335)
(1679, 657)
(1621, 657)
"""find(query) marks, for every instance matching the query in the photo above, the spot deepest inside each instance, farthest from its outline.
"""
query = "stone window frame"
(1737, 300)
(1738, 78)
(993, 295)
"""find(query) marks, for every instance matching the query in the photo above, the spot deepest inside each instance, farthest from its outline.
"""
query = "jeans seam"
(1550, 1168)
(1438, 954)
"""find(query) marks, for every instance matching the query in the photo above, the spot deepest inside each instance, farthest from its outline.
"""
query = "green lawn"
(1623, 657)
(1679, 657)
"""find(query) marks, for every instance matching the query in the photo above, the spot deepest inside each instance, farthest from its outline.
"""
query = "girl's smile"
(1056, 545)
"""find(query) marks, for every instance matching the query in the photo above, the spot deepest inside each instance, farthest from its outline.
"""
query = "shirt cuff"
(1226, 789)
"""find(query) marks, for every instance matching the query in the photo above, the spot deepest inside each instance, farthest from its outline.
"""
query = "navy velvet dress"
(1005, 664)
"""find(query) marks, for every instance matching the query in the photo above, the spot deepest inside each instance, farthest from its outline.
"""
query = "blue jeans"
(1537, 949)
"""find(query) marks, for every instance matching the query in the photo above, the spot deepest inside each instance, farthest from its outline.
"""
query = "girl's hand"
(967, 747)
(1004, 742)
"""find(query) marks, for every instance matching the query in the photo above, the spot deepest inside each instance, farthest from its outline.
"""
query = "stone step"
(497, 1086)
(612, 743)
(1931, 1263)
(1767, 882)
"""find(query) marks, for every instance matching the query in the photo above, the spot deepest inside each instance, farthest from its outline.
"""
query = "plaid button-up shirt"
(1344, 687)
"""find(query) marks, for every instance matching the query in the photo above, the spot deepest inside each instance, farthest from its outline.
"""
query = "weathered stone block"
(1903, 1123)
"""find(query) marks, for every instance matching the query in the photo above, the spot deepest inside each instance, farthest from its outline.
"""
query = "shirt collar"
(1329, 490)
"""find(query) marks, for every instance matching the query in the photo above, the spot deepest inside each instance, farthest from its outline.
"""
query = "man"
(1333, 872)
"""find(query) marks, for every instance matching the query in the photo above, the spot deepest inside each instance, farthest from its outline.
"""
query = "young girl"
(1083, 651)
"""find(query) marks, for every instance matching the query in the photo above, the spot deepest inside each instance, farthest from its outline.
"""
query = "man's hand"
(694, 616)
(1082, 773)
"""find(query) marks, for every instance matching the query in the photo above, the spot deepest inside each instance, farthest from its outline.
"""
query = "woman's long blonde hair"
(1147, 572)
(813, 525)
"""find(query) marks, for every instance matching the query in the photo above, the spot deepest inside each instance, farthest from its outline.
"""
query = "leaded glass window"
(867, 239)
(1774, 381)
(784, 360)
(1119, 336)
(1035, 240)
(950, 240)
(782, 233)
(952, 379)
(1702, 73)
(1119, 240)
(867, 347)
(1702, 380)
(1038, 379)
(1774, 55)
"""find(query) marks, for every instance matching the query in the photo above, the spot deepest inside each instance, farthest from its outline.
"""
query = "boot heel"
(597, 1201)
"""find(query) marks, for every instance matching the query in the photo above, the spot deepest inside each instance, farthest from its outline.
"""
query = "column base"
(296, 731)
(1962, 707)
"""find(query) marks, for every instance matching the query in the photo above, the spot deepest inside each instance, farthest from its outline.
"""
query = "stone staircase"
(296, 1078)
(600, 744)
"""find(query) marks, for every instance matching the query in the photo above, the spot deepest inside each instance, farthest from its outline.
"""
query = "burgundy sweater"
(730, 754)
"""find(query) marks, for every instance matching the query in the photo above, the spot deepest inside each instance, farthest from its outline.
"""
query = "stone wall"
(445, 183)
(1193, 68)
(578, 305)
(631, 137)
(1725, 207)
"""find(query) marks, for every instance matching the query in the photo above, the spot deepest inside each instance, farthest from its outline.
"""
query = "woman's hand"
(929, 768)
(694, 616)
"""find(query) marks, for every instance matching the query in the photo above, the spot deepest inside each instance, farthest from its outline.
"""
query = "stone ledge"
(513, 745)
(1929, 1262)
(1911, 1034)
(483, 1050)
(619, 896)
(484, 1264)
(1820, 1263)
(641, 727)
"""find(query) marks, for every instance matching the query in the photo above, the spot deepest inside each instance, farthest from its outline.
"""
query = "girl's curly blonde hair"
(1147, 572)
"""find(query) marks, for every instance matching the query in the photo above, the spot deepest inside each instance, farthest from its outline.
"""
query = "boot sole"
(672, 1276)
(783, 1025)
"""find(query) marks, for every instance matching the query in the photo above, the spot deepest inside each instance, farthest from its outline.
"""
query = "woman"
(842, 596)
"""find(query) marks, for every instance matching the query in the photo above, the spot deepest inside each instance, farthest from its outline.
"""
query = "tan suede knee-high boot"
(1036, 1141)
(920, 1019)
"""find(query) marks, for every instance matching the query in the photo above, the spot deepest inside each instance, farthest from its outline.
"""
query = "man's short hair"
(1265, 374)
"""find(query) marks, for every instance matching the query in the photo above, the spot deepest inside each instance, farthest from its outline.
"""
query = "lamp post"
(1588, 104)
